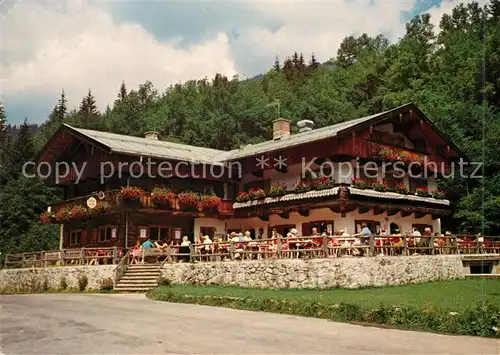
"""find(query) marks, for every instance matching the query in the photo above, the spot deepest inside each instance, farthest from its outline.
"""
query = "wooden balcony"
(112, 202)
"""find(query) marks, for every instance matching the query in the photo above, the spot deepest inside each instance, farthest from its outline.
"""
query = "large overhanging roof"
(138, 146)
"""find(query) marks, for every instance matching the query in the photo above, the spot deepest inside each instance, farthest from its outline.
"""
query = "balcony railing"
(112, 201)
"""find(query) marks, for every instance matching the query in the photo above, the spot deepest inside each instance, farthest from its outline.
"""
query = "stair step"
(120, 286)
(144, 265)
(138, 281)
(132, 289)
(139, 277)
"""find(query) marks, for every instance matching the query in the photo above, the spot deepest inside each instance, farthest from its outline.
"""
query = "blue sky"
(51, 45)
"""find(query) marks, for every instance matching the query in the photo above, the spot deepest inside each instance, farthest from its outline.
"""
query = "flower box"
(380, 187)
(189, 201)
(101, 207)
(242, 197)
(47, 217)
(210, 203)
(301, 186)
(422, 192)
(131, 194)
(401, 189)
(323, 183)
(277, 190)
(256, 194)
(78, 211)
(440, 195)
(162, 198)
(64, 214)
(360, 184)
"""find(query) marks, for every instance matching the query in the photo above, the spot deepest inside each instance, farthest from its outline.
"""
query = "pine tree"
(313, 63)
(276, 65)
(288, 69)
(302, 65)
(91, 105)
(23, 151)
(296, 60)
(3, 119)
(62, 108)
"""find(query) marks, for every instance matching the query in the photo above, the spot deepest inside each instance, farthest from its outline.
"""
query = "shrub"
(189, 201)
(132, 193)
(210, 203)
(163, 281)
(45, 285)
(380, 187)
(82, 282)
(301, 186)
(162, 196)
(106, 284)
(278, 189)
(256, 194)
(323, 183)
(242, 197)
(63, 283)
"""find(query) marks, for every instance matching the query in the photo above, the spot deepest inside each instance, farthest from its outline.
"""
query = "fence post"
(280, 248)
(6, 261)
(372, 246)
(431, 244)
(115, 255)
(325, 246)
(23, 260)
(82, 256)
(404, 245)
(61, 257)
(231, 250)
(191, 253)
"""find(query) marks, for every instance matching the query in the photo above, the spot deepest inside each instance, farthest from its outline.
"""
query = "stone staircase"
(139, 278)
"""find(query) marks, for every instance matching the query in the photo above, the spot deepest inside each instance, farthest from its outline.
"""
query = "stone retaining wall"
(319, 273)
(38, 279)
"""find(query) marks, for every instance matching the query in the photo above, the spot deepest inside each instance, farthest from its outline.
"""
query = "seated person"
(185, 249)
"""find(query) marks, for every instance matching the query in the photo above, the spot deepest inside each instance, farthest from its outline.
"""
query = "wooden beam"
(406, 213)
(304, 212)
(284, 215)
(378, 210)
(363, 209)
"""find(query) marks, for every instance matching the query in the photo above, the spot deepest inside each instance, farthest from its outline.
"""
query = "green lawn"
(452, 295)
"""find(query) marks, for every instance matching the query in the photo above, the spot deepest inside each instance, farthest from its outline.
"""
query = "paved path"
(132, 324)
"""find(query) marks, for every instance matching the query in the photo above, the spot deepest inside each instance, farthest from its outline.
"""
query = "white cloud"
(319, 27)
(47, 48)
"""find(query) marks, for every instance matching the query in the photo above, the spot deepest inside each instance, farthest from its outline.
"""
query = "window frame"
(72, 233)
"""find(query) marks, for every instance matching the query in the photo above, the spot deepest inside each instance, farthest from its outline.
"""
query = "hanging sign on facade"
(91, 202)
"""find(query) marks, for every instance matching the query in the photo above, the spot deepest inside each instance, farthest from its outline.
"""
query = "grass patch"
(448, 306)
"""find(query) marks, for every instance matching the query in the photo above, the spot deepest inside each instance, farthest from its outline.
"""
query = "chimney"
(305, 125)
(281, 128)
(151, 135)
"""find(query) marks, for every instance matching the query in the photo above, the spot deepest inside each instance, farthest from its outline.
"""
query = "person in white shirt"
(247, 237)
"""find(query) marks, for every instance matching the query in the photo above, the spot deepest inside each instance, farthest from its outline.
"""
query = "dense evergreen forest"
(451, 73)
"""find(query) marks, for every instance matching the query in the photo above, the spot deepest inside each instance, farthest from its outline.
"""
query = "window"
(391, 181)
(373, 226)
(281, 229)
(368, 174)
(210, 231)
(159, 233)
(75, 237)
(322, 226)
(416, 183)
(105, 234)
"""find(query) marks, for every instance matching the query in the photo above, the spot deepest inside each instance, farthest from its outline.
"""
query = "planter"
(379, 187)
(360, 184)
(323, 183)
(439, 195)
(401, 189)
(163, 198)
(189, 201)
(422, 192)
(278, 190)
(242, 197)
(210, 203)
(256, 194)
(301, 187)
